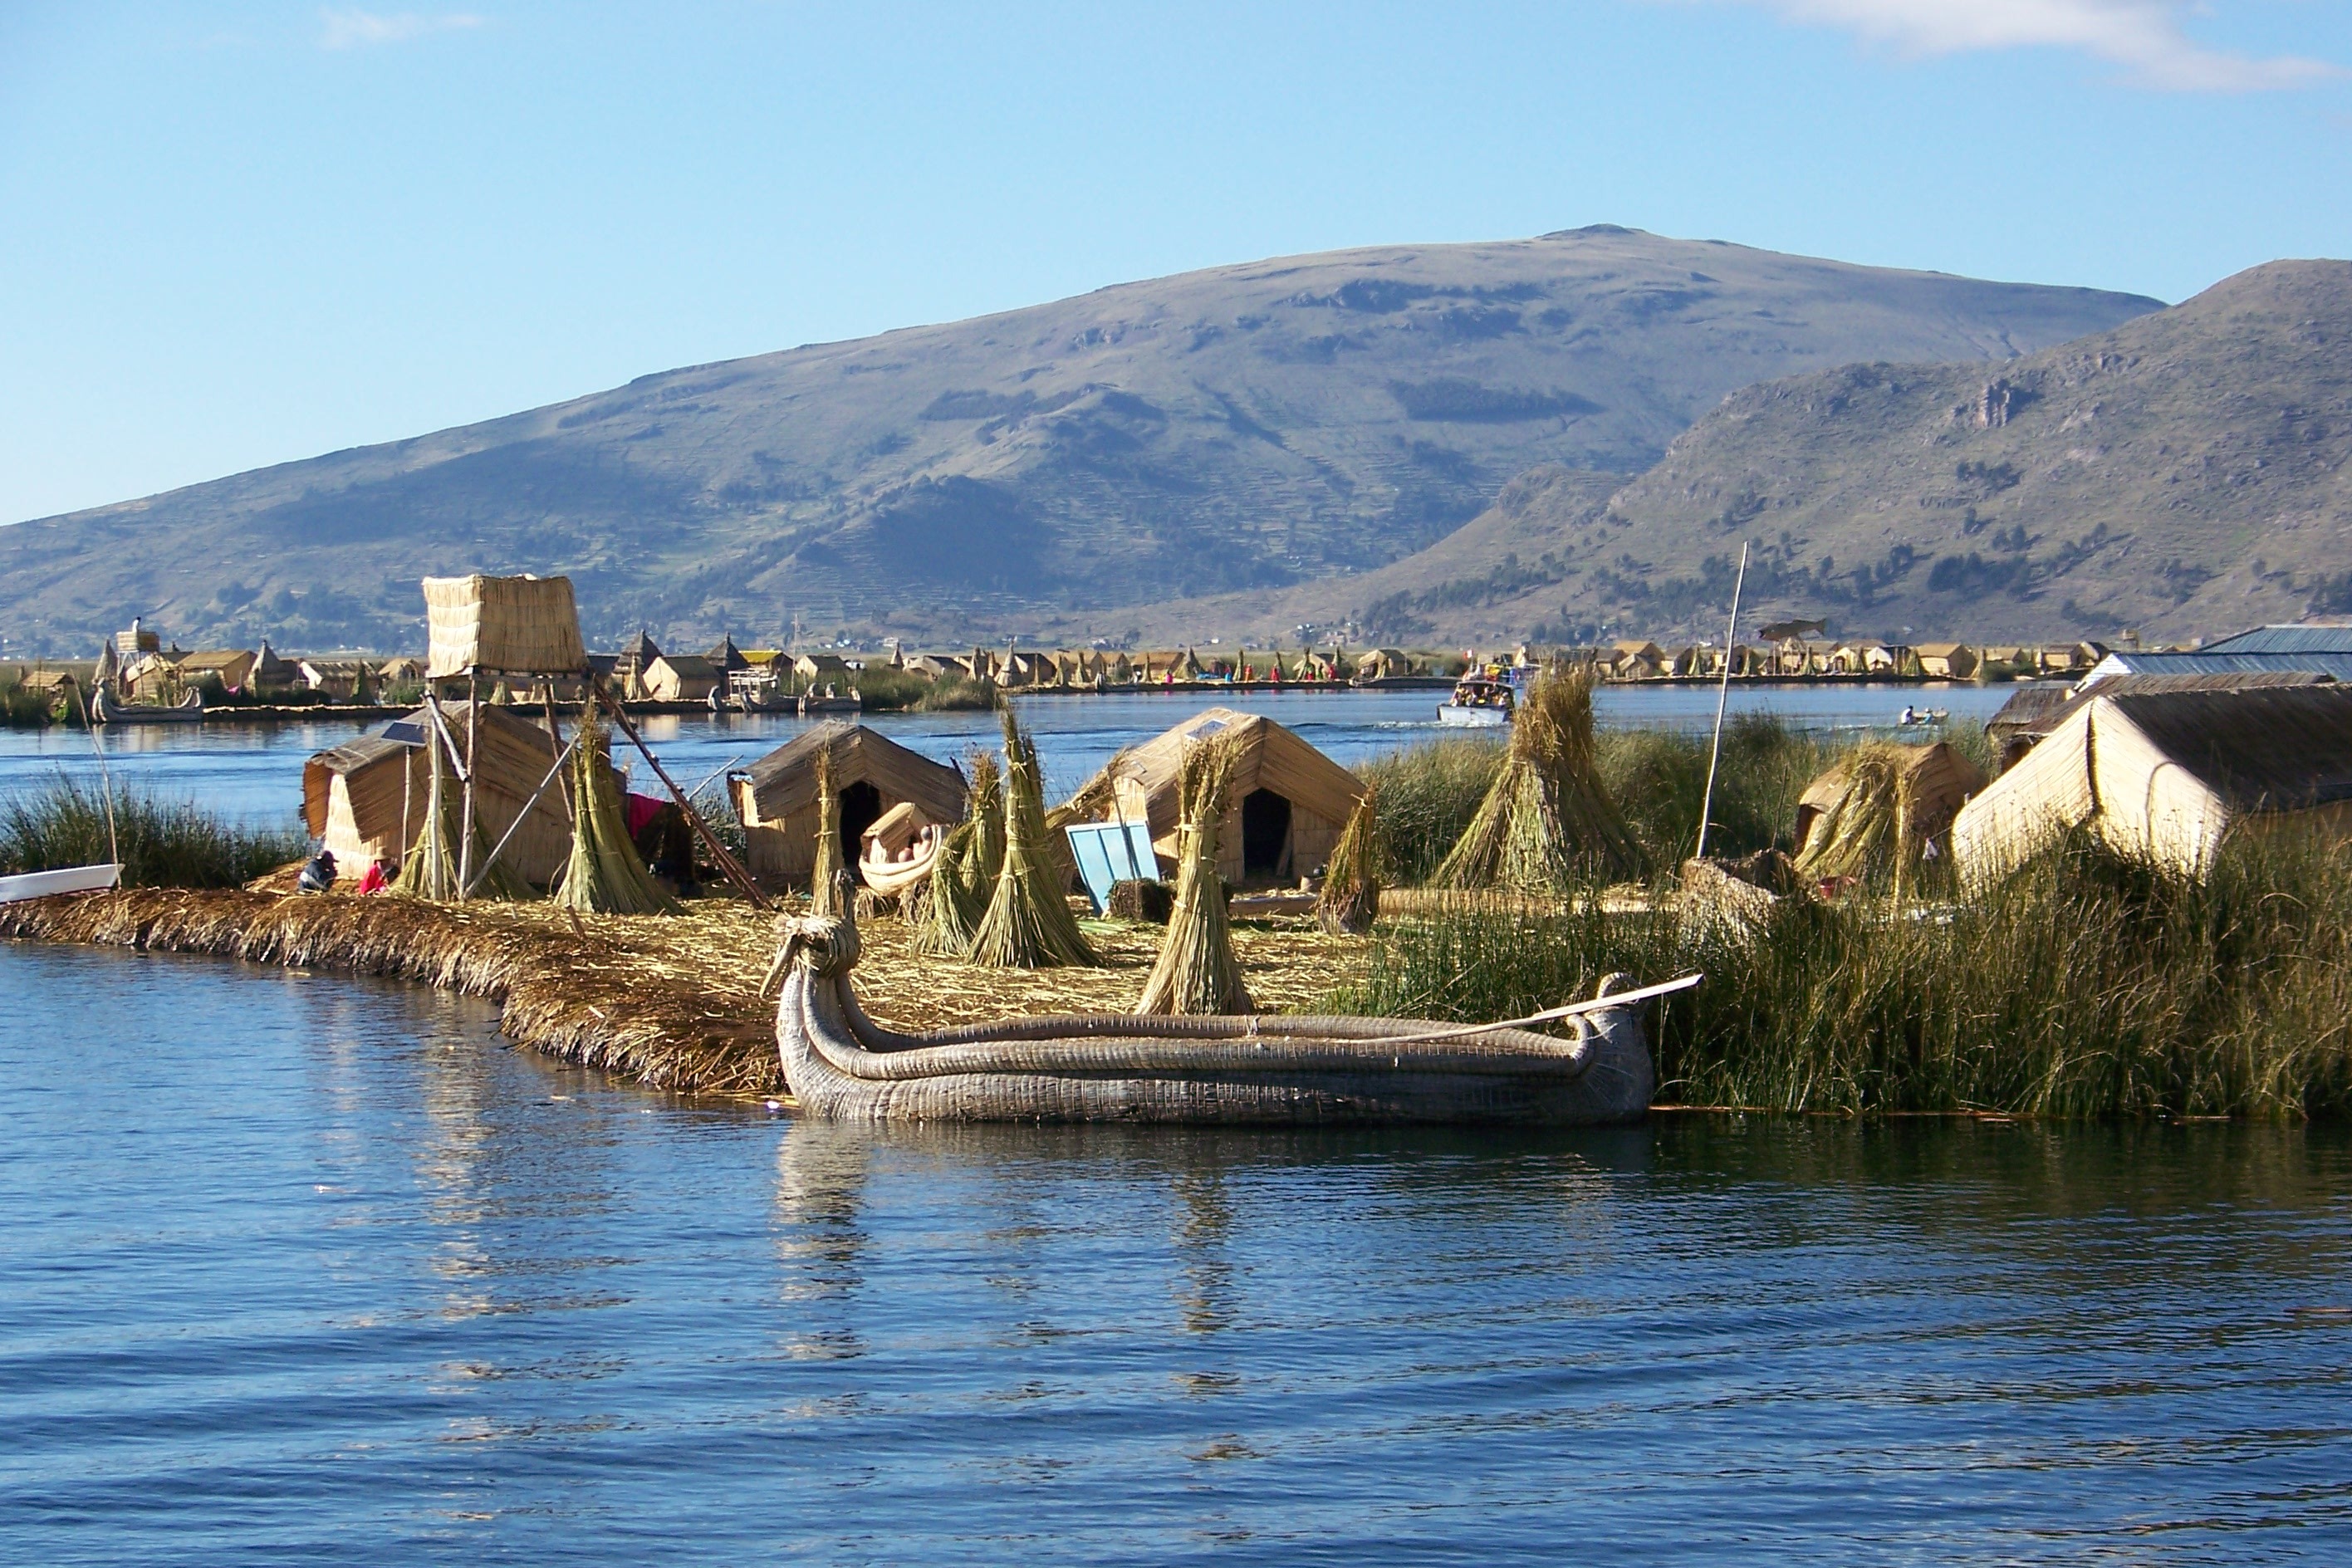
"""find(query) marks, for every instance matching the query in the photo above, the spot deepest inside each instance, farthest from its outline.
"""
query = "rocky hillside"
(1251, 427)
(2185, 474)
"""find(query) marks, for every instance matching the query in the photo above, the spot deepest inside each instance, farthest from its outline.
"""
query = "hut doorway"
(861, 807)
(1266, 833)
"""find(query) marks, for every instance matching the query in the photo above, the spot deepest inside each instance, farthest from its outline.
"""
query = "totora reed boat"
(1270, 1070)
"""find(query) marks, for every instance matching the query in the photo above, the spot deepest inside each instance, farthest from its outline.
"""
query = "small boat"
(813, 702)
(1917, 718)
(1268, 1071)
(898, 851)
(106, 708)
(64, 879)
(1479, 702)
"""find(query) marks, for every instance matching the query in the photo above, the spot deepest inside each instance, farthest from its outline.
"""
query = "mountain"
(2184, 474)
(1249, 427)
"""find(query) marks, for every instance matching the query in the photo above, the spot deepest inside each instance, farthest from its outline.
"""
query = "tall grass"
(2089, 985)
(882, 690)
(22, 709)
(1430, 793)
(959, 694)
(163, 844)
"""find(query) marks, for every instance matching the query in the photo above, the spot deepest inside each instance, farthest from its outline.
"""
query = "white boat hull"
(65, 879)
(1472, 718)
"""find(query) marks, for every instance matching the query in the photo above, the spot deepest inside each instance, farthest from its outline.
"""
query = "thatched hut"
(679, 677)
(232, 667)
(1858, 801)
(775, 799)
(366, 799)
(2169, 775)
(1287, 805)
(1946, 660)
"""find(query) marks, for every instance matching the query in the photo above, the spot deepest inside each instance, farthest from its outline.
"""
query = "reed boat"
(1267, 1071)
(891, 878)
(106, 708)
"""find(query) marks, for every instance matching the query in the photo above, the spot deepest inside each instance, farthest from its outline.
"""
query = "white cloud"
(2143, 35)
(357, 29)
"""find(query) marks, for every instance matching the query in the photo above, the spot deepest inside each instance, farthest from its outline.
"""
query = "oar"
(1550, 1015)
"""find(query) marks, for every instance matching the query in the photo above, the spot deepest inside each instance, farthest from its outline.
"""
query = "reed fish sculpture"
(1271, 1070)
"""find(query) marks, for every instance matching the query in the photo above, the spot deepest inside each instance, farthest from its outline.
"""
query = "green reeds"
(162, 844)
(1547, 824)
(605, 875)
(1428, 795)
(964, 873)
(1028, 924)
(2088, 984)
(1349, 900)
(959, 694)
(1196, 970)
(22, 709)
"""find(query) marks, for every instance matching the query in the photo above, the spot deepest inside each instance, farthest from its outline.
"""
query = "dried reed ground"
(671, 1001)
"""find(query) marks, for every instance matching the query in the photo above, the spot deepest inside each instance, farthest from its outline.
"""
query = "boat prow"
(64, 879)
(1269, 1071)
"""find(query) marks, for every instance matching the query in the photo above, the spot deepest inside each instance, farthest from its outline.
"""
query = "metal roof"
(2208, 662)
(2306, 638)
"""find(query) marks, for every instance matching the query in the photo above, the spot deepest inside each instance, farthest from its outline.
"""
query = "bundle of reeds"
(1028, 924)
(964, 875)
(1548, 821)
(827, 877)
(605, 876)
(1864, 831)
(429, 871)
(1196, 970)
(1351, 898)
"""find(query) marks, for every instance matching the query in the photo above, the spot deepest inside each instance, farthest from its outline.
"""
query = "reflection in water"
(347, 1282)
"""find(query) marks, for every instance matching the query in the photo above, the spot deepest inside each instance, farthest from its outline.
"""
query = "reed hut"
(1287, 802)
(366, 799)
(2169, 774)
(679, 677)
(1382, 664)
(1851, 818)
(232, 667)
(775, 799)
(1947, 660)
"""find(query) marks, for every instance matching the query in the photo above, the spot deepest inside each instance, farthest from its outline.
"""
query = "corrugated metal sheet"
(2306, 638)
(2338, 665)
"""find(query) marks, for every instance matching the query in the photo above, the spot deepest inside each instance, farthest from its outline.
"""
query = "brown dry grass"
(671, 1001)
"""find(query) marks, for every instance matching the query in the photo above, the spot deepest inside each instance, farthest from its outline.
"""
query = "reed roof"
(1268, 756)
(518, 626)
(784, 781)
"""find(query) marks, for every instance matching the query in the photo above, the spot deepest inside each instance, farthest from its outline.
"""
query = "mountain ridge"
(1251, 427)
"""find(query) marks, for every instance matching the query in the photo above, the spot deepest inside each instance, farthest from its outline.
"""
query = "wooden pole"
(1722, 701)
(728, 866)
(465, 811)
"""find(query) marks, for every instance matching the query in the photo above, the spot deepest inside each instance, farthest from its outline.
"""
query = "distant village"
(136, 670)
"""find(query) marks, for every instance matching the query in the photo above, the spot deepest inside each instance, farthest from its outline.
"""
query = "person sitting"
(318, 874)
(377, 876)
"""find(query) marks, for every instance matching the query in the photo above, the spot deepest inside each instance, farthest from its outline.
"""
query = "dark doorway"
(1266, 833)
(861, 807)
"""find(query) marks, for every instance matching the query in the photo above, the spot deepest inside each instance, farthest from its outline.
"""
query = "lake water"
(309, 1270)
(255, 772)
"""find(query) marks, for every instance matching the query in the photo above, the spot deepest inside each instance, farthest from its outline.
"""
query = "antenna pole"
(1722, 701)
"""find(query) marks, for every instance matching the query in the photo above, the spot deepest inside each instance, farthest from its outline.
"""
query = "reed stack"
(1028, 924)
(1197, 971)
(1350, 900)
(1548, 823)
(605, 875)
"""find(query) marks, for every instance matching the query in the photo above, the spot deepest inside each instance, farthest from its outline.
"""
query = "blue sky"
(239, 234)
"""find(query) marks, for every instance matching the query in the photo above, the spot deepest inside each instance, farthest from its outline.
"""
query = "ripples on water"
(307, 1269)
